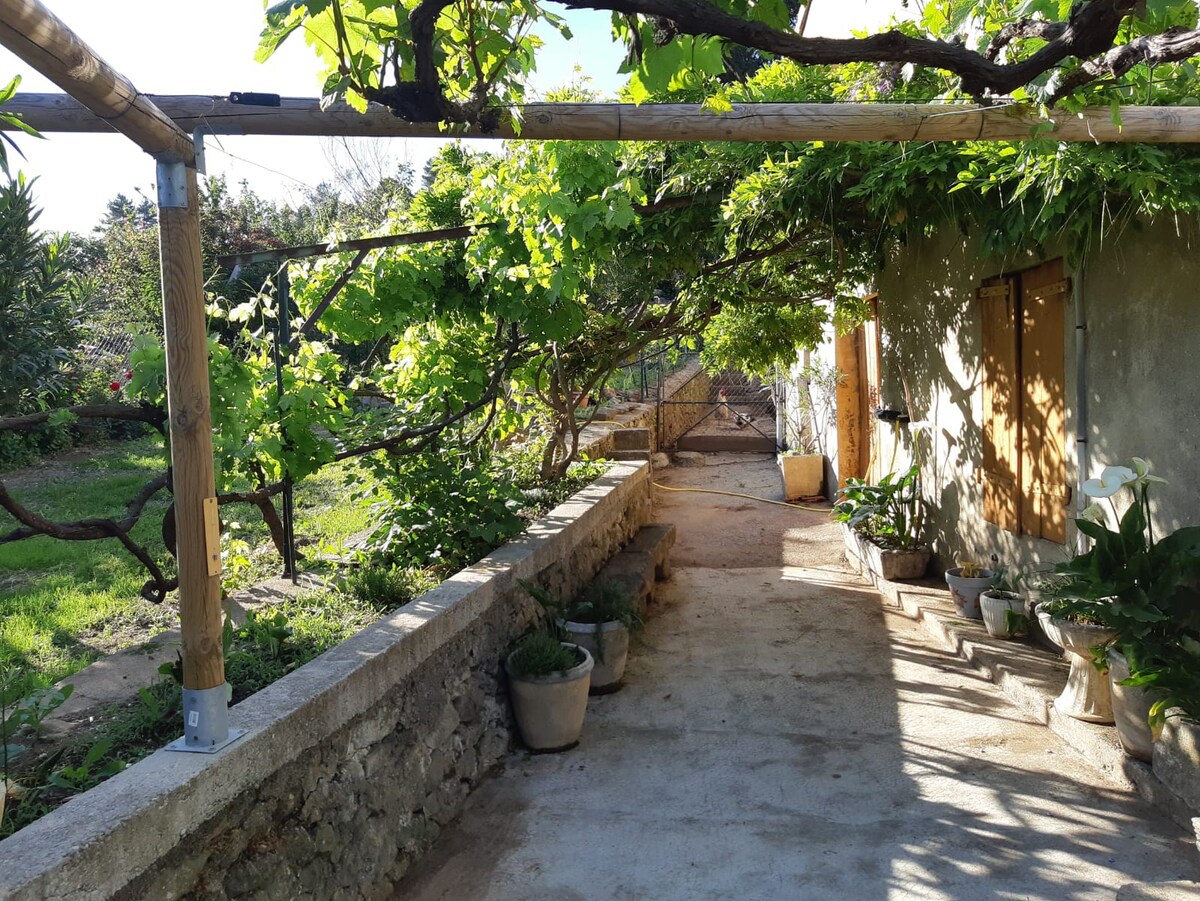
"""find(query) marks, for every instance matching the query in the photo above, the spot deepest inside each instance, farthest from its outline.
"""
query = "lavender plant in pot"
(600, 622)
(549, 679)
(1145, 590)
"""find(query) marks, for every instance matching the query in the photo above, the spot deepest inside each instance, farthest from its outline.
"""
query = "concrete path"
(784, 735)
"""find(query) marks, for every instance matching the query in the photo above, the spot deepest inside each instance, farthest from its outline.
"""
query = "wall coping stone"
(101, 840)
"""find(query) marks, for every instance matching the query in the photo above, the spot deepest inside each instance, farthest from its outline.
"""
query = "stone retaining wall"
(691, 383)
(352, 764)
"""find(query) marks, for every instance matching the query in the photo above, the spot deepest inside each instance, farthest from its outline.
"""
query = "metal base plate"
(179, 744)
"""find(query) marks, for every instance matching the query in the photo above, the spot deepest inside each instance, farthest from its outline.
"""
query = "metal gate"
(738, 416)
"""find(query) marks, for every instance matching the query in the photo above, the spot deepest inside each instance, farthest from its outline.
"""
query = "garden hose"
(749, 497)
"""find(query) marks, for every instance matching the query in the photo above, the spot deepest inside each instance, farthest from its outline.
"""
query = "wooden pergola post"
(38, 37)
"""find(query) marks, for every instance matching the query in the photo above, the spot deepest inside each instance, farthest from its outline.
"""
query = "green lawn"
(64, 604)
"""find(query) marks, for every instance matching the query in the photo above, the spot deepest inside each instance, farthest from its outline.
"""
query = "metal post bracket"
(172, 185)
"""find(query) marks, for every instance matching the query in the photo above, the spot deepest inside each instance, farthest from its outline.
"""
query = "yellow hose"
(749, 497)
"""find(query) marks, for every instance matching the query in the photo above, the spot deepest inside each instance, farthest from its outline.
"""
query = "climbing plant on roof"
(459, 61)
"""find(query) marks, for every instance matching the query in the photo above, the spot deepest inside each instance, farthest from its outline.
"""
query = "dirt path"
(785, 735)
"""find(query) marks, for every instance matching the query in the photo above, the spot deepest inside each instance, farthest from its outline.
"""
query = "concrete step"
(1031, 677)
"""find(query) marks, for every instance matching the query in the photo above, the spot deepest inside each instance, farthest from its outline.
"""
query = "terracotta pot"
(965, 591)
(1088, 695)
(996, 605)
(1131, 710)
(550, 709)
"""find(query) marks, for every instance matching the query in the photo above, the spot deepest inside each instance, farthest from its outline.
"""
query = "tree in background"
(39, 323)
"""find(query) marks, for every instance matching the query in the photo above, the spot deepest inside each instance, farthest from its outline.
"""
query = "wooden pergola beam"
(101, 93)
(655, 122)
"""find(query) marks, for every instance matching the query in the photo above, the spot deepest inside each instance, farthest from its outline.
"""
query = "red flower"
(115, 386)
(128, 373)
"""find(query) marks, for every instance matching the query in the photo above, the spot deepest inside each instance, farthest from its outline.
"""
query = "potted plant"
(1145, 590)
(600, 623)
(883, 523)
(802, 463)
(548, 683)
(967, 581)
(1003, 607)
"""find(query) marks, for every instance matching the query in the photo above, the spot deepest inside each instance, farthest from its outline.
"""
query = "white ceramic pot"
(996, 607)
(550, 709)
(802, 474)
(1087, 695)
(609, 646)
(1131, 710)
(965, 591)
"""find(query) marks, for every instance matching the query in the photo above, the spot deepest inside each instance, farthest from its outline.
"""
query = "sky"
(165, 47)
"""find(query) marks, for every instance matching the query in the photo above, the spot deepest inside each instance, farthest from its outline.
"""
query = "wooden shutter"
(872, 399)
(1044, 490)
(1001, 403)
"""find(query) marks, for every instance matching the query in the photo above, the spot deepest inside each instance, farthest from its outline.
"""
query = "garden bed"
(351, 763)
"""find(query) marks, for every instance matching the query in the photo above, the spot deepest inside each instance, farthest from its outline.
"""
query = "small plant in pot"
(1003, 606)
(885, 522)
(600, 622)
(549, 680)
(802, 464)
(967, 581)
(1145, 590)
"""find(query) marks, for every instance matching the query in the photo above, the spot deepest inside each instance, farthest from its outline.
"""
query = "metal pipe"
(1082, 455)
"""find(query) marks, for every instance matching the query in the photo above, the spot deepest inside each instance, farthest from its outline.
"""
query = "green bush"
(387, 587)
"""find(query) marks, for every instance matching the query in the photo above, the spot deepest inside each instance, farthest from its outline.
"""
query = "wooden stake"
(191, 424)
(657, 122)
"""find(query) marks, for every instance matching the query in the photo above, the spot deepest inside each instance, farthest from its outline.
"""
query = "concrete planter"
(1131, 710)
(1177, 758)
(996, 607)
(550, 709)
(885, 563)
(966, 590)
(608, 644)
(802, 474)
(1088, 695)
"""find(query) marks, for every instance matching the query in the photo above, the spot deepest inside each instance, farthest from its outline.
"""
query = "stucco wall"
(352, 763)
(1142, 304)
(1139, 297)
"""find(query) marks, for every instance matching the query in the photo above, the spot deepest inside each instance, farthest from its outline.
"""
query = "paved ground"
(783, 735)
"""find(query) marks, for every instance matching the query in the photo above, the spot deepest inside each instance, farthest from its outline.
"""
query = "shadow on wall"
(931, 336)
(1143, 397)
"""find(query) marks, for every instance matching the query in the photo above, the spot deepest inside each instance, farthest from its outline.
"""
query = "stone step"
(638, 455)
(646, 559)
(657, 541)
(631, 439)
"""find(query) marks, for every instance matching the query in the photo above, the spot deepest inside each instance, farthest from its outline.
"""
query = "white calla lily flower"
(1111, 480)
(1093, 513)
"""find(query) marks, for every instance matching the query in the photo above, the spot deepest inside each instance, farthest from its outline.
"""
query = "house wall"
(1139, 298)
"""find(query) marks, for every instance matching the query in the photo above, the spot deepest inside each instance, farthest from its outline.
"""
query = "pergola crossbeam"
(301, 116)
